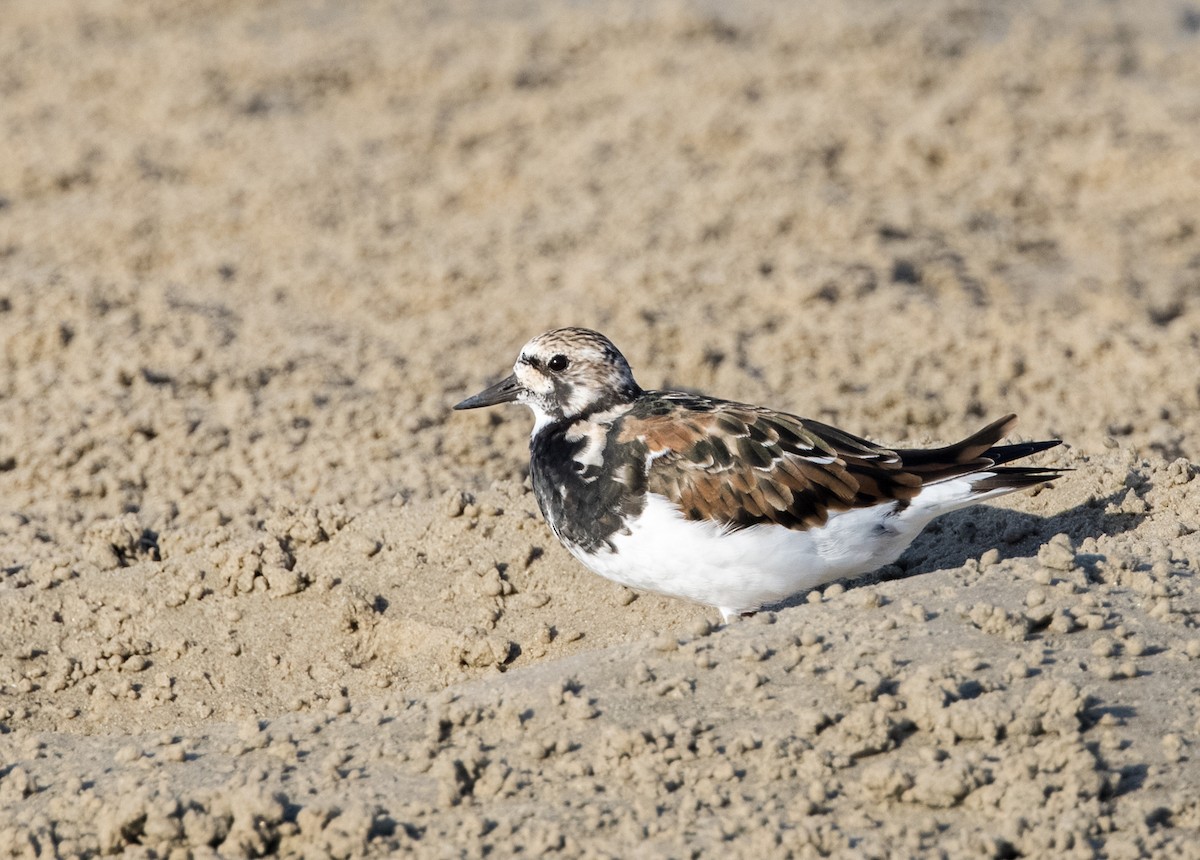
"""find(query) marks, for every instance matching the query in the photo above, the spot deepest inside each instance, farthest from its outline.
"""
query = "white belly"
(739, 571)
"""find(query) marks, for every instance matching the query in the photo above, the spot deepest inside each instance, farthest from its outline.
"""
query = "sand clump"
(262, 592)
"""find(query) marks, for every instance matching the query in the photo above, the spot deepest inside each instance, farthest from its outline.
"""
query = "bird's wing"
(743, 465)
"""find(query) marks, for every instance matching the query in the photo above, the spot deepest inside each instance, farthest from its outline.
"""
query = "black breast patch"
(586, 505)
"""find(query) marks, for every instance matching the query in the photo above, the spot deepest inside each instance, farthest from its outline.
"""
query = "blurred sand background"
(262, 592)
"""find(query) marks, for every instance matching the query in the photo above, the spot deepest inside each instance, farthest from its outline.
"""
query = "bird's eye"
(557, 363)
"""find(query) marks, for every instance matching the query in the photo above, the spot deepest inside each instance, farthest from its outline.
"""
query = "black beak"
(504, 391)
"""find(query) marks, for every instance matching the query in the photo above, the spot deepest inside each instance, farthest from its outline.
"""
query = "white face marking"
(534, 380)
(537, 392)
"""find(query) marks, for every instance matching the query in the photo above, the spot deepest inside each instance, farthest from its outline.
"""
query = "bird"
(721, 503)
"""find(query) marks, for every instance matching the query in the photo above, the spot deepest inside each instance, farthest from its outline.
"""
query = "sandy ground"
(261, 591)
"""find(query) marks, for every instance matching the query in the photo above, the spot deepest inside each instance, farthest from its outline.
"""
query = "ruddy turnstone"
(723, 503)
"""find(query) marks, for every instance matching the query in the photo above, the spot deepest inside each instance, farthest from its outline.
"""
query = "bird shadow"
(953, 540)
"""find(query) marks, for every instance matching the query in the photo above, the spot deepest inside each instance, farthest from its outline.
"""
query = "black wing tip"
(1007, 453)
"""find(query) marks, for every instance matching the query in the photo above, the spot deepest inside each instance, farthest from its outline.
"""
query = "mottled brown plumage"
(741, 465)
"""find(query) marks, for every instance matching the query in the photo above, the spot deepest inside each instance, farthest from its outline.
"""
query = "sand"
(262, 591)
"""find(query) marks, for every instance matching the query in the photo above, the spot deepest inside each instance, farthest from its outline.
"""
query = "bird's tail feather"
(1006, 479)
(979, 453)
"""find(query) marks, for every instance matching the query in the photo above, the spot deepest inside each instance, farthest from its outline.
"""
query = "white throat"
(540, 418)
